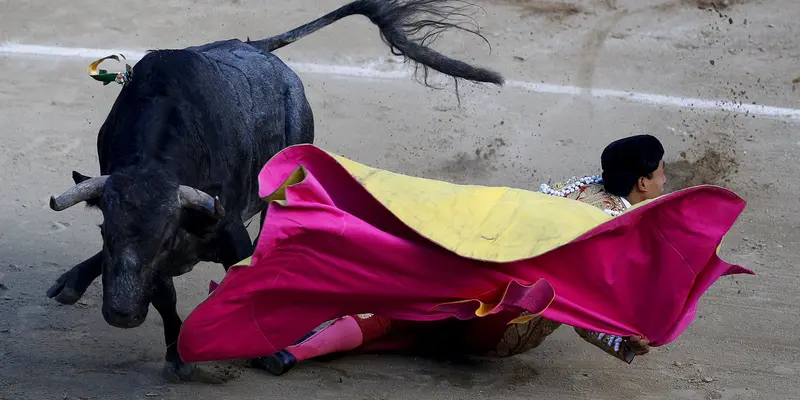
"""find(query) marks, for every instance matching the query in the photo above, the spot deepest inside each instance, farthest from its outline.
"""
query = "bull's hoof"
(178, 372)
(63, 291)
(181, 372)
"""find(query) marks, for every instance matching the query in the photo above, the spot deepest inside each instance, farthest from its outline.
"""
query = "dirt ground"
(744, 343)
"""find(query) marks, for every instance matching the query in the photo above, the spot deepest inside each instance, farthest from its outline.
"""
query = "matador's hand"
(639, 345)
(624, 348)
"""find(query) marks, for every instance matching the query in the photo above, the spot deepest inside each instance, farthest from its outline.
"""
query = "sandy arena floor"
(744, 344)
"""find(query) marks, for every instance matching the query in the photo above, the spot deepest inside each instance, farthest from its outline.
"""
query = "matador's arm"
(617, 346)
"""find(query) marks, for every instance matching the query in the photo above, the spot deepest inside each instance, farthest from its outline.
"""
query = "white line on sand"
(371, 71)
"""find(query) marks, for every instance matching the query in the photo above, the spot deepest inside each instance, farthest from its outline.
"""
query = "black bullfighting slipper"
(280, 362)
(276, 364)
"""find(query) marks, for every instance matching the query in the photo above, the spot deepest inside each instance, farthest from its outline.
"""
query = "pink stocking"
(343, 335)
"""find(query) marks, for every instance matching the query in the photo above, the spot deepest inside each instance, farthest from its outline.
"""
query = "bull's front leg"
(70, 286)
(165, 301)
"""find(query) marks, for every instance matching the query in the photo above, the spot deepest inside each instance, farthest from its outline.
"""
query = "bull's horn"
(200, 201)
(88, 189)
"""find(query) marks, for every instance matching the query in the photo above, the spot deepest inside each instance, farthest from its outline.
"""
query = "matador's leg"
(344, 334)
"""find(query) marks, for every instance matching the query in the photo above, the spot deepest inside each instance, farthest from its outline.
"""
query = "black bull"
(181, 149)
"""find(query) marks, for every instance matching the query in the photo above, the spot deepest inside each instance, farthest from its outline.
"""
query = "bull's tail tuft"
(408, 27)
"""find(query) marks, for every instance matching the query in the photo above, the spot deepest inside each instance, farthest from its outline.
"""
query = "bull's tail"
(398, 21)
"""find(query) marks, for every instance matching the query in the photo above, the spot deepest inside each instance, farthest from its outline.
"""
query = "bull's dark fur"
(210, 117)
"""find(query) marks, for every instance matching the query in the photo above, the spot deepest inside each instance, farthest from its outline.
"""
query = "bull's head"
(142, 214)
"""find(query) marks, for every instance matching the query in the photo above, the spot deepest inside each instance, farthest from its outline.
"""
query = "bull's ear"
(214, 189)
(78, 177)
(198, 224)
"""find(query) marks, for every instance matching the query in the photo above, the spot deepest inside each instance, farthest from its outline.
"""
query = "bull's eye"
(166, 244)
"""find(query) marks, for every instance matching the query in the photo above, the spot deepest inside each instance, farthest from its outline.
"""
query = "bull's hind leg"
(260, 226)
(299, 123)
(70, 286)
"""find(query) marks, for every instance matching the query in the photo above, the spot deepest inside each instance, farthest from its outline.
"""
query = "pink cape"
(334, 250)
